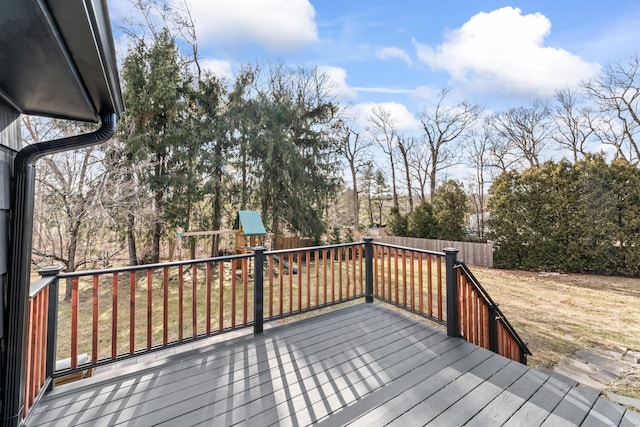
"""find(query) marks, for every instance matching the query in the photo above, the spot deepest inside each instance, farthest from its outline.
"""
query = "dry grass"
(560, 314)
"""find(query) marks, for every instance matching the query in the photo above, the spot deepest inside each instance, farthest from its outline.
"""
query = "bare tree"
(573, 122)
(479, 156)
(355, 151)
(616, 92)
(382, 129)
(406, 146)
(525, 131)
(69, 185)
(420, 165)
(443, 124)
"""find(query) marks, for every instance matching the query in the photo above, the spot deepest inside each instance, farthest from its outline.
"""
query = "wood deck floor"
(364, 365)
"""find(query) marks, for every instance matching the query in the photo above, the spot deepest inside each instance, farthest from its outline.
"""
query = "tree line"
(194, 147)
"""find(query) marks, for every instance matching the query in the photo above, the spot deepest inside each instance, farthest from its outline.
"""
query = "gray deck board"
(500, 409)
(573, 409)
(604, 413)
(630, 419)
(361, 365)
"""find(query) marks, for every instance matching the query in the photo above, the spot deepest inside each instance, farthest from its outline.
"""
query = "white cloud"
(385, 90)
(394, 53)
(505, 50)
(219, 67)
(277, 25)
(338, 77)
(404, 120)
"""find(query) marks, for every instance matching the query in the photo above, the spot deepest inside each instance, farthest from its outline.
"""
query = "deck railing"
(120, 313)
(480, 320)
(41, 335)
(412, 279)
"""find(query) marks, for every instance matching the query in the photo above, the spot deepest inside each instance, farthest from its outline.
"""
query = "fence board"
(480, 254)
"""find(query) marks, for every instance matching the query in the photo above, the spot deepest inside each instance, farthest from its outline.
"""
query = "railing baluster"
(439, 284)
(420, 285)
(396, 276)
(149, 308)
(165, 306)
(333, 275)
(221, 293)
(74, 322)
(376, 278)
(389, 295)
(180, 302)
(42, 337)
(281, 286)
(316, 263)
(324, 276)
(208, 302)
(245, 288)
(308, 271)
(233, 291)
(340, 253)
(430, 284)
(94, 319)
(290, 270)
(404, 278)
(362, 277)
(271, 262)
(345, 254)
(114, 314)
(299, 259)
(132, 312)
(194, 300)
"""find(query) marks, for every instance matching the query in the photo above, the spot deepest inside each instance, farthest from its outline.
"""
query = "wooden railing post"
(258, 289)
(452, 291)
(52, 320)
(368, 268)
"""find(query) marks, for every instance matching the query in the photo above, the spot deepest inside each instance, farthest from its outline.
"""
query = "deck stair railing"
(120, 313)
(480, 320)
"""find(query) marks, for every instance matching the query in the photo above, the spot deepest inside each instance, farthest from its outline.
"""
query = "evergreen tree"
(151, 130)
(397, 223)
(450, 206)
(421, 223)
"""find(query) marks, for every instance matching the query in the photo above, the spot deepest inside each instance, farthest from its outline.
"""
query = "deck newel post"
(493, 329)
(368, 268)
(452, 291)
(52, 320)
(258, 289)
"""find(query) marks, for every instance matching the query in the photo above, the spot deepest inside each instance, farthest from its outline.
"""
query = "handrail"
(497, 314)
(407, 248)
(144, 267)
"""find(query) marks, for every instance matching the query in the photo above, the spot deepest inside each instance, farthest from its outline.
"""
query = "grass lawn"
(560, 314)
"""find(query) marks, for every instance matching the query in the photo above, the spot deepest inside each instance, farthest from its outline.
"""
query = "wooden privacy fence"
(125, 312)
(472, 253)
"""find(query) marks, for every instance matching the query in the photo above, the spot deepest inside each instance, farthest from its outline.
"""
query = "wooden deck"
(362, 365)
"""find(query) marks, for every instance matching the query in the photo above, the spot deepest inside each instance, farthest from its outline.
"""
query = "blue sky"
(496, 53)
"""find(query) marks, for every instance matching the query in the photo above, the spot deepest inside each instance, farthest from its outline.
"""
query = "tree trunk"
(156, 229)
(356, 199)
(71, 261)
(393, 182)
(131, 239)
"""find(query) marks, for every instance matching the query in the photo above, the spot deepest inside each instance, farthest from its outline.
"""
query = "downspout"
(21, 221)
